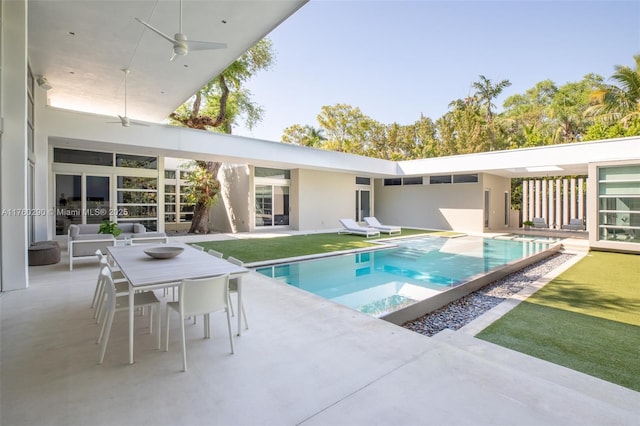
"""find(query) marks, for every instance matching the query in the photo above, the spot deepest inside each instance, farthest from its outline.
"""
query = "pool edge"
(474, 283)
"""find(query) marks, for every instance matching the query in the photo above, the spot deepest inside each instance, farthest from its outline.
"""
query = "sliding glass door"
(272, 205)
(81, 198)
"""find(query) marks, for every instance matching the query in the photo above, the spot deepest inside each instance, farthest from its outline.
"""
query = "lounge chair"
(574, 225)
(351, 227)
(539, 222)
(374, 223)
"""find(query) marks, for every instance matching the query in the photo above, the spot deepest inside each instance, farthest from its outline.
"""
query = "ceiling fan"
(124, 120)
(181, 45)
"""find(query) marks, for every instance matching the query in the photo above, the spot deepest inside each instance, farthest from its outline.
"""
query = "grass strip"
(587, 319)
(262, 249)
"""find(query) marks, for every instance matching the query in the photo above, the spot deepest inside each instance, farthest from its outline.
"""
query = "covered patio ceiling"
(82, 46)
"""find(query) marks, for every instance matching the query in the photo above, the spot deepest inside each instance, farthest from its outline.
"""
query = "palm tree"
(620, 101)
(486, 92)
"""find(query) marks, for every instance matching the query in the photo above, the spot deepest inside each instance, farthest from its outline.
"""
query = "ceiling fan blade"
(157, 31)
(137, 123)
(205, 45)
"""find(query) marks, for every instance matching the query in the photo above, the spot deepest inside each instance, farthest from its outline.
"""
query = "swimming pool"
(381, 281)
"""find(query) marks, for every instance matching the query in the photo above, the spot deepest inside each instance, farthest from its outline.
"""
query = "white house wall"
(13, 146)
(445, 206)
(497, 187)
(232, 212)
(322, 198)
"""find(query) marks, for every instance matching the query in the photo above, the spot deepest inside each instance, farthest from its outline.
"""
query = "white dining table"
(146, 273)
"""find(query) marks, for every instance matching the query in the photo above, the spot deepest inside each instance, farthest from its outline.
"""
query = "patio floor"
(304, 360)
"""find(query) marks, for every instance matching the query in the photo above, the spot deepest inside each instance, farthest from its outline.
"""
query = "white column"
(565, 201)
(558, 203)
(552, 216)
(580, 198)
(573, 198)
(525, 200)
(531, 200)
(545, 214)
(537, 197)
(13, 145)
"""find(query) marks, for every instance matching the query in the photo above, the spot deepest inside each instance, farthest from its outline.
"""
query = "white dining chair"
(121, 285)
(114, 303)
(215, 253)
(200, 297)
(233, 288)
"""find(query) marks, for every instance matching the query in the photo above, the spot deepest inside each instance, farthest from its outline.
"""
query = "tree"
(217, 107)
(298, 134)
(486, 92)
(619, 102)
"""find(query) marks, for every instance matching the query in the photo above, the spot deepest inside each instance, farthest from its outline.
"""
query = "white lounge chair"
(351, 227)
(576, 224)
(374, 223)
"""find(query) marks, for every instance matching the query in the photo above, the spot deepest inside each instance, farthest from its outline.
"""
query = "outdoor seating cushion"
(44, 253)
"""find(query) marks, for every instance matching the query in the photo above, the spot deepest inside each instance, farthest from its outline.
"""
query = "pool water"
(381, 281)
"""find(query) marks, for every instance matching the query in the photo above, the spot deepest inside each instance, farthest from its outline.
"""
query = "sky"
(398, 59)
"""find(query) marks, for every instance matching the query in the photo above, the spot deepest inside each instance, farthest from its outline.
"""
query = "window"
(465, 178)
(363, 180)
(619, 203)
(136, 161)
(91, 158)
(272, 173)
(412, 180)
(435, 180)
(393, 182)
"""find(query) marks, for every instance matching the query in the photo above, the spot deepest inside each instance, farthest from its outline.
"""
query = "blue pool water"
(381, 281)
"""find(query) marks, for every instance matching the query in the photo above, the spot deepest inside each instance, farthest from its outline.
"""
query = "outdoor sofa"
(84, 240)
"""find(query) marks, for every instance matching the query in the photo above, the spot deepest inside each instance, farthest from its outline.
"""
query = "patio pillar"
(531, 200)
(581, 198)
(565, 201)
(13, 146)
(525, 200)
(545, 214)
(552, 214)
(537, 197)
(558, 204)
(573, 198)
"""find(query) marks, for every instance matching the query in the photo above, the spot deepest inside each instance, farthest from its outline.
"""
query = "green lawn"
(587, 319)
(262, 249)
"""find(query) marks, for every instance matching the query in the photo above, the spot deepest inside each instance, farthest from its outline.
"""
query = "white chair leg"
(159, 327)
(184, 347)
(106, 329)
(96, 294)
(231, 304)
(244, 315)
(166, 348)
(230, 332)
(151, 319)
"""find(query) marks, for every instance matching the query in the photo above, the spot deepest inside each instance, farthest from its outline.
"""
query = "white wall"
(321, 198)
(456, 207)
(497, 186)
(13, 146)
(232, 211)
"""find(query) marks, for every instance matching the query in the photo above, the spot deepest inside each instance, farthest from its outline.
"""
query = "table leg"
(239, 310)
(131, 319)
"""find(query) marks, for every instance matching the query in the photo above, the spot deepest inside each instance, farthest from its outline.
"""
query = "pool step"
(409, 253)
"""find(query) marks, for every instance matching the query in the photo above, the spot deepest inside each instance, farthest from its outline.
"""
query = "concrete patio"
(304, 360)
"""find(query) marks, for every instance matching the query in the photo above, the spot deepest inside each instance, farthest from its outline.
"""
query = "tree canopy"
(545, 114)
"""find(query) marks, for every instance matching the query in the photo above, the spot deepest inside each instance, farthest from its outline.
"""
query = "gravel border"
(457, 314)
